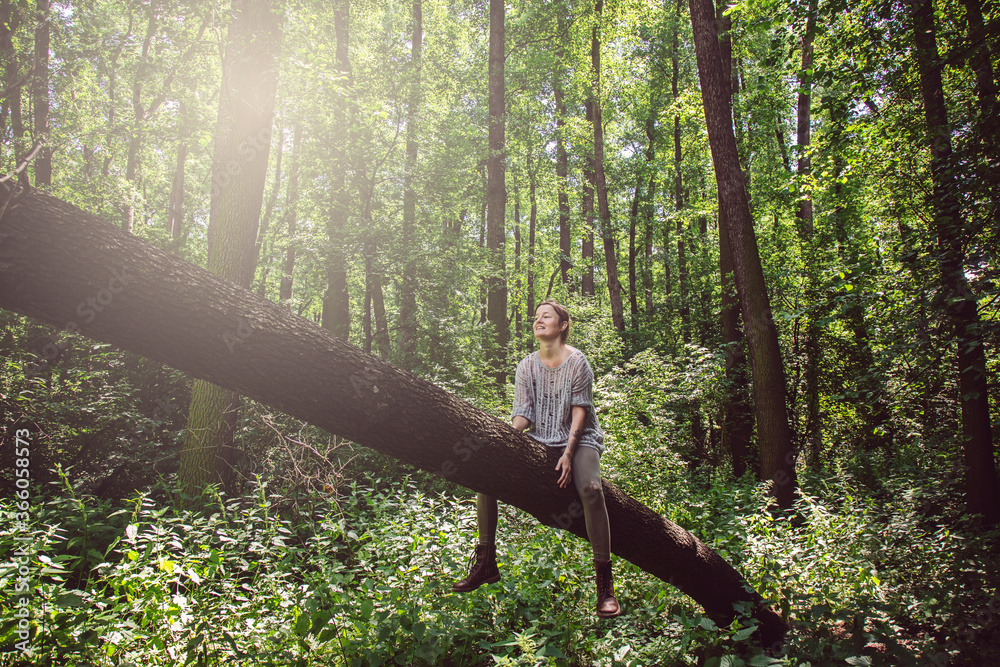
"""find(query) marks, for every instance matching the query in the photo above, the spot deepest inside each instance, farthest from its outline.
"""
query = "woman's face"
(547, 324)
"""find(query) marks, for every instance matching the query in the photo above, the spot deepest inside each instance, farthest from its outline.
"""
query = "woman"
(553, 391)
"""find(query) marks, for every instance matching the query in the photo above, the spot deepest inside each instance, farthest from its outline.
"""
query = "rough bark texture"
(737, 413)
(982, 494)
(774, 435)
(242, 144)
(114, 287)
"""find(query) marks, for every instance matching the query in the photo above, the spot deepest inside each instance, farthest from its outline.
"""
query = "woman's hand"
(566, 465)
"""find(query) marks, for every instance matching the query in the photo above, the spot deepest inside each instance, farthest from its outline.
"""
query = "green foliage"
(864, 578)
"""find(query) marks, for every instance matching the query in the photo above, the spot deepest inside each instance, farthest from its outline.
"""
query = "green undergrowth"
(363, 579)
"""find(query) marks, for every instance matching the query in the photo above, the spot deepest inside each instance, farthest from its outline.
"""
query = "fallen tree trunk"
(73, 270)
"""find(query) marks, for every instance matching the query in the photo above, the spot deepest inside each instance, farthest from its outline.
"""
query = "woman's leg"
(587, 478)
(486, 517)
(484, 568)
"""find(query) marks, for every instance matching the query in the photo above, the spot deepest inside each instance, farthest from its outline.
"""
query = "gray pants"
(587, 479)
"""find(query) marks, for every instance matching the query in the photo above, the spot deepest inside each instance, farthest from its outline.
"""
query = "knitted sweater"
(545, 396)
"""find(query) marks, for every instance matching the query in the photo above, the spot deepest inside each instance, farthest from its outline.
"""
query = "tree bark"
(336, 315)
(684, 309)
(648, 211)
(774, 434)
(520, 342)
(9, 22)
(981, 62)
(291, 218)
(110, 286)
(175, 211)
(532, 220)
(587, 254)
(40, 97)
(982, 494)
(813, 435)
(408, 289)
(737, 412)
(633, 219)
(496, 231)
(600, 182)
(242, 144)
(562, 180)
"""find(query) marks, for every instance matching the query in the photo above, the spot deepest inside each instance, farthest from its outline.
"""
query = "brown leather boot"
(484, 570)
(607, 605)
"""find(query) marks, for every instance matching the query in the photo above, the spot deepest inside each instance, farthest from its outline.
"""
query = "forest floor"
(866, 575)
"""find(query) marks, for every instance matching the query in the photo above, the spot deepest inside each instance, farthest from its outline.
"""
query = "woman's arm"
(565, 464)
(520, 422)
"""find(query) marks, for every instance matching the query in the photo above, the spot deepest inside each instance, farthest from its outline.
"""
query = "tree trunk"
(242, 143)
(684, 309)
(737, 412)
(648, 211)
(496, 231)
(408, 289)
(600, 183)
(587, 253)
(532, 220)
(9, 23)
(520, 342)
(633, 300)
(291, 218)
(562, 180)
(774, 435)
(117, 288)
(40, 97)
(138, 114)
(982, 495)
(336, 315)
(981, 62)
(804, 215)
(175, 210)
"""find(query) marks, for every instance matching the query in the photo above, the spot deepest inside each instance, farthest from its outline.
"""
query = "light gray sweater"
(545, 397)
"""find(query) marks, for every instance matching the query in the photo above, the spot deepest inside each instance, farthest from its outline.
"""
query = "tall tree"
(682, 266)
(497, 194)
(562, 175)
(774, 435)
(600, 182)
(804, 215)
(242, 144)
(336, 314)
(40, 96)
(737, 412)
(10, 20)
(982, 495)
(291, 217)
(408, 290)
